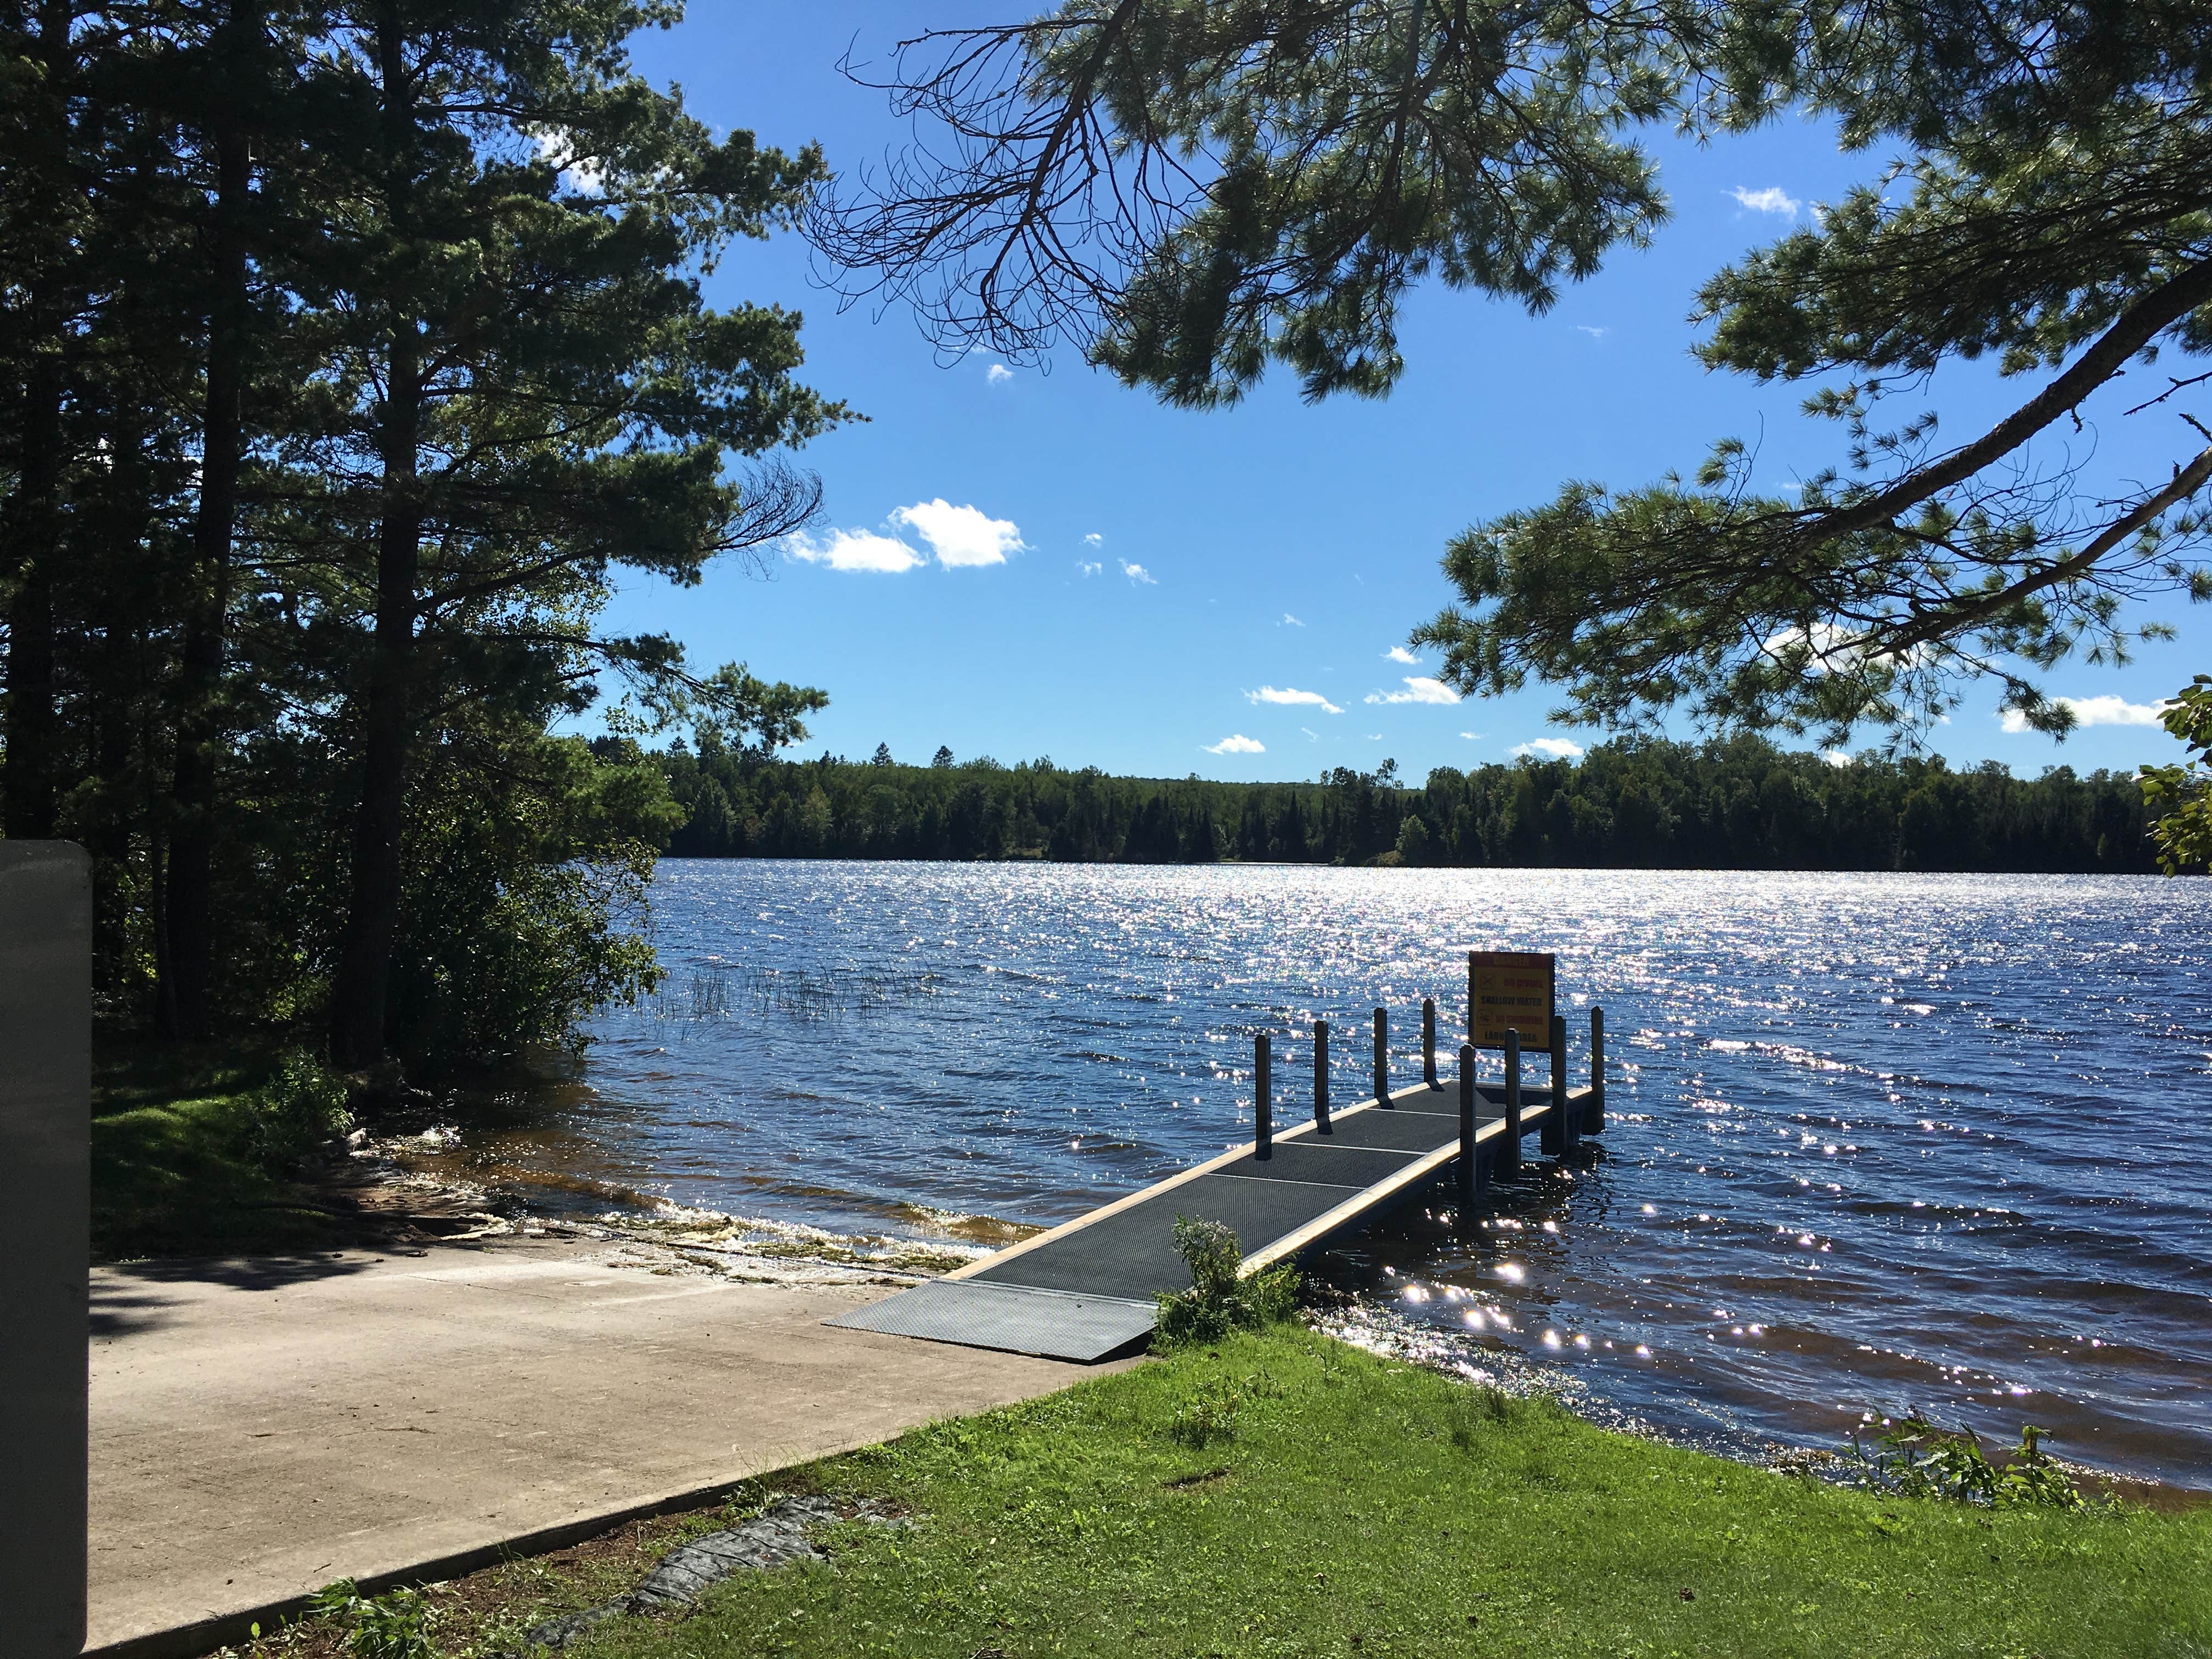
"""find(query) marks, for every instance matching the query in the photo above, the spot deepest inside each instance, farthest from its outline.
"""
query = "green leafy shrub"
(1220, 1299)
(300, 1110)
(394, 1626)
(1914, 1458)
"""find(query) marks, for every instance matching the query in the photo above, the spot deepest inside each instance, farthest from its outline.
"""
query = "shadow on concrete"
(127, 1298)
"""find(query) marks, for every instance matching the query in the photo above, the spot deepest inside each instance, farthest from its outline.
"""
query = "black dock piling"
(1552, 1134)
(1508, 1165)
(1321, 1078)
(1470, 1165)
(1382, 1058)
(1263, 1100)
(1570, 1116)
(1594, 1106)
(1429, 1040)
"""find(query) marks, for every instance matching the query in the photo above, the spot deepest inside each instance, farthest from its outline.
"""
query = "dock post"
(1321, 1077)
(1552, 1137)
(1508, 1149)
(1470, 996)
(1263, 1100)
(1429, 1040)
(1470, 1169)
(1382, 1058)
(1571, 1118)
(1594, 1109)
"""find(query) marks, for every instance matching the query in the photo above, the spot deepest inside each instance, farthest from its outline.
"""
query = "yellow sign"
(1509, 990)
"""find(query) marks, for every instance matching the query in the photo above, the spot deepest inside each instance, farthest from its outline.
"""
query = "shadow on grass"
(174, 1172)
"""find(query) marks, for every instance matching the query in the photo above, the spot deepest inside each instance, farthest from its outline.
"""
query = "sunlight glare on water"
(1876, 1141)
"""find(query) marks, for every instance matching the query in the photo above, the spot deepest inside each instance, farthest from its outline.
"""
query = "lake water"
(1875, 1142)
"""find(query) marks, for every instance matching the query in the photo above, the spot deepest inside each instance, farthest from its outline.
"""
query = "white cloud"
(960, 536)
(1289, 621)
(1595, 333)
(1772, 199)
(559, 147)
(1094, 539)
(1311, 733)
(1475, 736)
(1419, 688)
(1137, 572)
(1398, 654)
(1835, 757)
(1291, 695)
(1549, 748)
(1088, 567)
(997, 374)
(1373, 737)
(2096, 711)
(854, 549)
(1236, 744)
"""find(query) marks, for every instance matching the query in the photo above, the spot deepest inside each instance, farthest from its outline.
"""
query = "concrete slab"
(259, 1429)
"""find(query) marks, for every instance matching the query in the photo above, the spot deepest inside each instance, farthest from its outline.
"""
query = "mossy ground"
(1283, 1494)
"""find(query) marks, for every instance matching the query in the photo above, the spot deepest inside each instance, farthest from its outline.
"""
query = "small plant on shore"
(300, 1110)
(1913, 1457)
(394, 1626)
(1479, 1409)
(1207, 1415)
(1220, 1299)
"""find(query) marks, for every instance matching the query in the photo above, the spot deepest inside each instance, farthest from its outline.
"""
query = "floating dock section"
(1084, 1290)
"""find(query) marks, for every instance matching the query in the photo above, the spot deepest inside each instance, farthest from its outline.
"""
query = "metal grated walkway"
(1084, 1290)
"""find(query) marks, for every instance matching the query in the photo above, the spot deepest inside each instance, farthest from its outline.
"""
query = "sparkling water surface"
(1875, 1141)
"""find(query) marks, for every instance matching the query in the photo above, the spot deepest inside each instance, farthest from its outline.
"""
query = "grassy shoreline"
(1285, 1494)
(174, 1171)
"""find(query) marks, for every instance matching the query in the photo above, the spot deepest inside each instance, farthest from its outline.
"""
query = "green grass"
(1286, 1495)
(174, 1168)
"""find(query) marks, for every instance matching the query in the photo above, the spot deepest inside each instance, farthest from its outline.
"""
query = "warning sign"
(1510, 989)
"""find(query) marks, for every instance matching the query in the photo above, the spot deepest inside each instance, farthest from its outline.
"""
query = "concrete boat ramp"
(1084, 1291)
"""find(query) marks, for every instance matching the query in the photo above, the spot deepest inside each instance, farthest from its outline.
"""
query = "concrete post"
(45, 1247)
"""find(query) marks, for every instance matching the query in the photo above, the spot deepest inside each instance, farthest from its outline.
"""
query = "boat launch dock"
(1084, 1291)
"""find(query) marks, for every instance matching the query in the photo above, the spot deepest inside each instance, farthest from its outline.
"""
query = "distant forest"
(1742, 804)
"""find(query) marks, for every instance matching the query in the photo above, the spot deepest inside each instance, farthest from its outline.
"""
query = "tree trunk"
(32, 525)
(183, 998)
(360, 994)
(359, 997)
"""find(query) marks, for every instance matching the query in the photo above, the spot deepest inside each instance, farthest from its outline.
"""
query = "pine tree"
(1193, 192)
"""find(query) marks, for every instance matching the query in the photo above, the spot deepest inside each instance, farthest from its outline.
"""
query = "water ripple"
(1876, 1140)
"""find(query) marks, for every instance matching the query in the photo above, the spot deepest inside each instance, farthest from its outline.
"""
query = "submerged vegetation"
(1743, 804)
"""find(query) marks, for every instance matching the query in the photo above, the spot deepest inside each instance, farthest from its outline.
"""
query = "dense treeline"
(1739, 805)
(347, 352)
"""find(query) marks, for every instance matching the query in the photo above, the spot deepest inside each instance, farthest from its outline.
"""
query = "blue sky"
(1092, 577)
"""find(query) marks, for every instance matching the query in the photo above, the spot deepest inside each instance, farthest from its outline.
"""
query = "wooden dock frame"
(1086, 1289)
